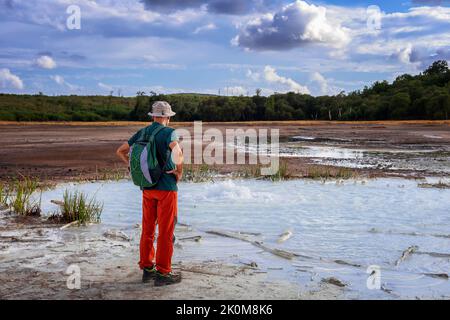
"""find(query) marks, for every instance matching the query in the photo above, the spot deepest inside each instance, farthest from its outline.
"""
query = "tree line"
(423, 96)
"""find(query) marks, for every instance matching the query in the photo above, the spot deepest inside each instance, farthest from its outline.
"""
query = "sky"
(228, 47)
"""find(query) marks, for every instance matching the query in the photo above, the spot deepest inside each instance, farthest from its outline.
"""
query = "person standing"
(160, 202)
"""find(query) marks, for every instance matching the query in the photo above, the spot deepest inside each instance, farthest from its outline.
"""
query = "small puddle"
(426, 160)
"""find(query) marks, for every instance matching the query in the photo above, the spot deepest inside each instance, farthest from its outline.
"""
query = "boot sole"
(163, 284)
(148, 280)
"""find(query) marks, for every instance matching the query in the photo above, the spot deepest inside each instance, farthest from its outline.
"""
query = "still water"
(362, 224)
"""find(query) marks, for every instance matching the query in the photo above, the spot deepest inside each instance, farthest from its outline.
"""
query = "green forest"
(421, 97)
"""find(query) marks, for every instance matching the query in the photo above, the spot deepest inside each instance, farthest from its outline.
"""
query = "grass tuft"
(254, 172)
(4, 195)
(438, 185)
(199, 173)
(248, 172)
(325, 173)
(282, 173)
(110, 174)
(78, 207)
(21, 200)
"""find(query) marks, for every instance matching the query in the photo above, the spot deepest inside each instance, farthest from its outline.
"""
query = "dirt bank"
(72, 151)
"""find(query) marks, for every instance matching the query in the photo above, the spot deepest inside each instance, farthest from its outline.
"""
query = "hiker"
(159, 204)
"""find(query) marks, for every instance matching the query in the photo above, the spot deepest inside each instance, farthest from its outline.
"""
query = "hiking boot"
(166, 279)
(149, 274)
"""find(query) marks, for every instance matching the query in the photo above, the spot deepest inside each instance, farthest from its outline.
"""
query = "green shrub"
(7, 116)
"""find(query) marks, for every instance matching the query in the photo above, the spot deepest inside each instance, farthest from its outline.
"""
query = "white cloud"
(228, 7)
(45, 62)
(404, 55)
(58, 79)
(104, 86)
(62, 82)
(436, 13)
(156, 41)
(294, 25)
(255, 76)
(206, 27)
(271, 75)
(182, 16)
(317, 78)
(150, 58)
(328, 86)
(403, 33)
(409, 29)
(52, 13)
(235, 91)
(165, 66)
(8, 79)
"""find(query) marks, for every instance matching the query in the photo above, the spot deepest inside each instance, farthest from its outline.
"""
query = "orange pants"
(161, 206)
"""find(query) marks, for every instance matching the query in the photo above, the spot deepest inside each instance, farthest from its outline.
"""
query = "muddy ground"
(35, 254)
(37, 260)
(76, 151)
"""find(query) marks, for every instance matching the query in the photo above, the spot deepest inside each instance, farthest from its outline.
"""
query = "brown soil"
(33, 264)
(74, 151)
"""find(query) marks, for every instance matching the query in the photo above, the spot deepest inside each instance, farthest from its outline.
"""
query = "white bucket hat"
(161, 109)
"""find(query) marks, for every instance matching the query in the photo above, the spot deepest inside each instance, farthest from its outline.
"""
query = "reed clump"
(254, 171)
(438, 185)
(325, 173)
(282, 173)
(20, 199)
(198, 173)
(77, 206)
(4, 195)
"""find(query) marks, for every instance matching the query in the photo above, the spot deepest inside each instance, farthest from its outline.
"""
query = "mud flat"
(74, 151)
(329, 233)
(35, 257)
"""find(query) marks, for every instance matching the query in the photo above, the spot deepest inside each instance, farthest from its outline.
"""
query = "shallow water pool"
(432, 160)
(361, 223)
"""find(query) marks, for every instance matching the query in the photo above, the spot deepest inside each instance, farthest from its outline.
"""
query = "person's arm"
(123, 153)
(177, 158)
(124, 150)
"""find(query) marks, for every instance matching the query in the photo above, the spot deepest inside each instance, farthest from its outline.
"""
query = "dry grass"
(198, 173)
(315, 172)
(111, 174)
(254, 171)
(282, 173)
(325, 173)
(438, 185)
(4, 195)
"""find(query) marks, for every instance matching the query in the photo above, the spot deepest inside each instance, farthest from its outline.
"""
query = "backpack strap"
(143, 138)
(169, 152)
(152, 137)
(154, 133)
